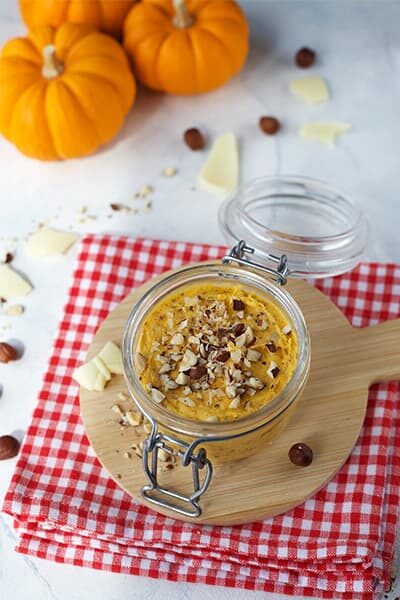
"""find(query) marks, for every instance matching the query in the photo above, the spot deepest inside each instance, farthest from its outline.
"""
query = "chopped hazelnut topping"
(241, 340)
(182, 379)
(286, 330)
(235, 402)
(236, 355)
(189, 360)
(230, 391)
(238, 329)
(271, 347)
(223, 356)
(255, 383)
(273, 370)
(187, 402)
(197, 372)
(157, 396)
(177, 339)
(238, 304)
(253, 355)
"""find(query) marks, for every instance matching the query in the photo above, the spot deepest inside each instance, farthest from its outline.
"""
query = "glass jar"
(334, 229)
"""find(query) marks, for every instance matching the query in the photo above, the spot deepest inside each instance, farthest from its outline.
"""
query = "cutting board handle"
(378, 347)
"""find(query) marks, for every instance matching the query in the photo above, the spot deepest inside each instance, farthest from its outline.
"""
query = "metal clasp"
(239, 252)
(162, 496)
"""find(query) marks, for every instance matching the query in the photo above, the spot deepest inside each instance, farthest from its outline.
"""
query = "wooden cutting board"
(345, 362)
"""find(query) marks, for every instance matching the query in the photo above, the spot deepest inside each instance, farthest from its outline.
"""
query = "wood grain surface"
(345, 362)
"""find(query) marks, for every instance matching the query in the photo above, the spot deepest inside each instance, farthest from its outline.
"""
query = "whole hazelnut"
(301, 455)
(305, 57)
(269, 125)
(9, 447)
(7, 353)
(194, 139)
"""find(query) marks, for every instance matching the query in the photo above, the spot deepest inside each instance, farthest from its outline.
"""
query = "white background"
(358, 45)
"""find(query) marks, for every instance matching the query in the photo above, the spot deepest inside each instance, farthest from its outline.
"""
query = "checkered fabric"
(336, 545)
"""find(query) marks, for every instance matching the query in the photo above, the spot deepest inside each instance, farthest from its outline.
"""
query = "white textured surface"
(359, 55)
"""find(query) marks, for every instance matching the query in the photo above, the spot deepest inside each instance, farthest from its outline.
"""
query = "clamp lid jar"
(322, 231)
(278, 226)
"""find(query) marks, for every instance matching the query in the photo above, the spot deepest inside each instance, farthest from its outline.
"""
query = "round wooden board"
(345, 361)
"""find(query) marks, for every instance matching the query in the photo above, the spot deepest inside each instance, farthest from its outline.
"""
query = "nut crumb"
(170, 171)
(15, 310)
(117, 410)
(146, 191)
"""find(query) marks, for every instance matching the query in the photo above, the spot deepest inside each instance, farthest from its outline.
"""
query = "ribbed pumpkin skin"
(70, 115)
(193, 60)
(107, 15)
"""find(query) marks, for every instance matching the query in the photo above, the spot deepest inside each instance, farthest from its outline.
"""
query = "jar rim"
(221, 429)
(322, 230)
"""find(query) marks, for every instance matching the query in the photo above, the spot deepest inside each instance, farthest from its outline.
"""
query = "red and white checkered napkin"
(65, 507)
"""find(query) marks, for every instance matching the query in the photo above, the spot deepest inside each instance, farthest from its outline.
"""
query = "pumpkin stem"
(182, 18)
(52, 67)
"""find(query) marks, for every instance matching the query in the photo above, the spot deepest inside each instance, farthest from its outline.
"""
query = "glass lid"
(321, 230)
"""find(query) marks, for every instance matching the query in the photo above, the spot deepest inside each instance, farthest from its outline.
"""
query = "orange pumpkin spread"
(215, 352)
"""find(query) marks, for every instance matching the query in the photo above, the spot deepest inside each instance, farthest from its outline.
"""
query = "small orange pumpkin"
(107, 15)
(64, 92)
(186, 47)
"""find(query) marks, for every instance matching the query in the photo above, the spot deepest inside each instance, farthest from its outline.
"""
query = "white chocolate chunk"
(220, 174)
(12, 284)
(310, 89)
(102, 367)
(47, 242)
(89, 377)
(323, 131)
(112, 358)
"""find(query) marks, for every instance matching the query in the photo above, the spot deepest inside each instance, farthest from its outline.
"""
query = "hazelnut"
(9, 447)
(305, 57)
(301, 455)
(7, 353)
(269, 125)
(194, 139)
